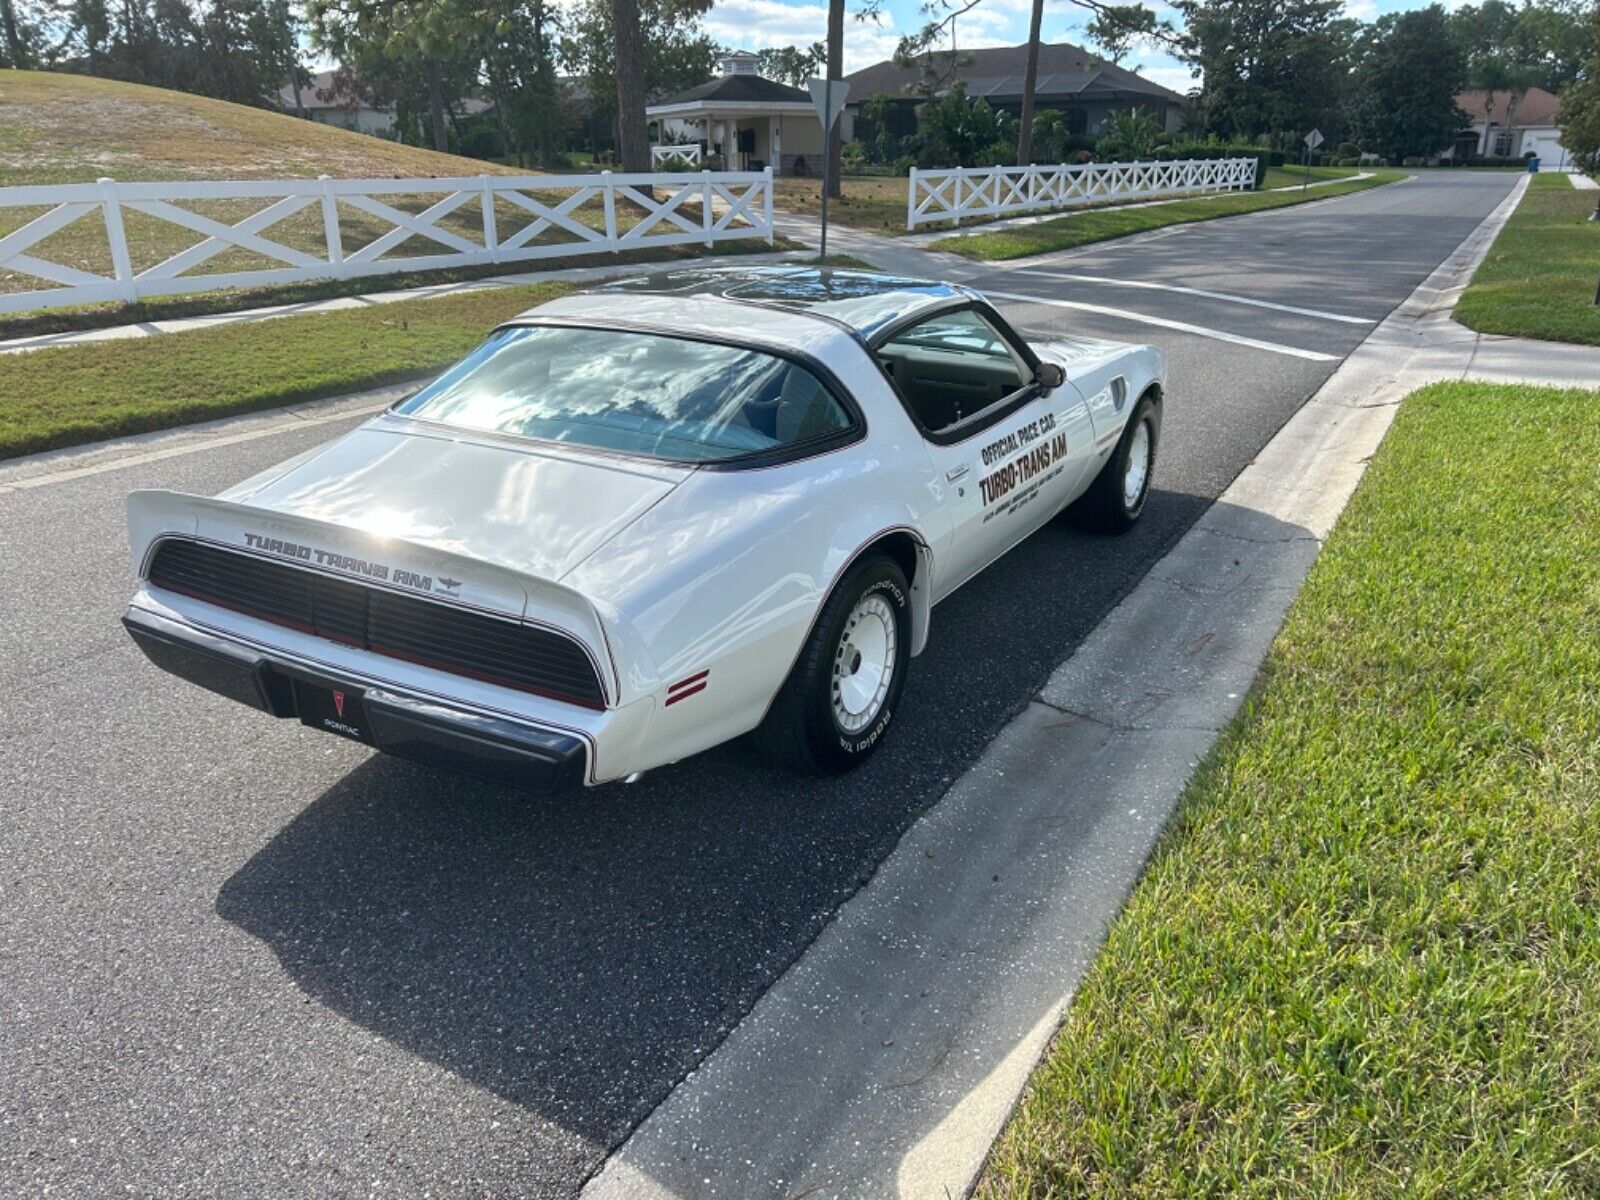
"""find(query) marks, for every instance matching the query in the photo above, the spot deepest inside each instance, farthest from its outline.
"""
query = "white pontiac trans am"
(645, 519)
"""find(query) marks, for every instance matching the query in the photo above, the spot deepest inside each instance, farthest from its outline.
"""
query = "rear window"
(639, 393)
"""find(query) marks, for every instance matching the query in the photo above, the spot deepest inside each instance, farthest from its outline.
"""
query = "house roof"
(322, 92)
(737, 89)
(996, 73)
(1538, 107)
(327, 91)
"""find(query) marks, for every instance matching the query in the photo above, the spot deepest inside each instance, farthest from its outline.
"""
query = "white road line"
(1189, 291)
(1165, 323)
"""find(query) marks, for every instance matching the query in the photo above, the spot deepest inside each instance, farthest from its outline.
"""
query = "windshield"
(638, 393)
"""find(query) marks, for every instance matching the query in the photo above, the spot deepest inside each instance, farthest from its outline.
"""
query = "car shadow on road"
(577, 955)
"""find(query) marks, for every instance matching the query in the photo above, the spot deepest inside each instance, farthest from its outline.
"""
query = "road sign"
(1313, 139)
(827, 96)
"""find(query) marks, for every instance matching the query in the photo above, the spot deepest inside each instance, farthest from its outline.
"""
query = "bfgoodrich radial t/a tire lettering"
(839, 700)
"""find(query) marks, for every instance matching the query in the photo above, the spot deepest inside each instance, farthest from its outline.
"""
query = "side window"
(951, 367)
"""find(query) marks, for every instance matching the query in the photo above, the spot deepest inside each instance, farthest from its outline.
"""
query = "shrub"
(1127, 136)
(958, 131)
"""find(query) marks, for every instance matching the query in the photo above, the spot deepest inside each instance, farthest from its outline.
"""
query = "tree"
(238, 50)
(1540, 44)
(1117, 28)
(435, 40)
(1579, 115)
(1268, 67)
(792, 64)
(1030, 82)
(1408, 71)
(520, 73)
(835, 71)
(633, 137)
(676, 52)
(17, 54)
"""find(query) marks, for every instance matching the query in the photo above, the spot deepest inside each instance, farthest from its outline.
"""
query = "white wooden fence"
(675, 158)
(455, 223)
(962, 193)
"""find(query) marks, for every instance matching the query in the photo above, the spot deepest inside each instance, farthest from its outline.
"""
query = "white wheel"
(1115, 499)
(863, 665)
(840, 697)
(1138, 466)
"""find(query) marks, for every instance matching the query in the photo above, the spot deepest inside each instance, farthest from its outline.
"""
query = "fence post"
(705, 205)
(770, 233)
(330, 227)
(117, 240)
(491, 237)
(911, 201)
(609, 197)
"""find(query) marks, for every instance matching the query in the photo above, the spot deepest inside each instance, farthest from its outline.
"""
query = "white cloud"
(1177, 78)
(762, 24)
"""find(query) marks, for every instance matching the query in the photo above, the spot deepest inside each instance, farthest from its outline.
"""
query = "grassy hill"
(57, 128)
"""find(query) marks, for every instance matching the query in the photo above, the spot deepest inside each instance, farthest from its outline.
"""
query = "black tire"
(1105, 507)
(803, 726)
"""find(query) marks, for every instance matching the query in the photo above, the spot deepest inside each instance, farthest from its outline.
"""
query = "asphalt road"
(240, 958)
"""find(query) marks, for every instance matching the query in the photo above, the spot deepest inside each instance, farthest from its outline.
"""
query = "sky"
(757, 24)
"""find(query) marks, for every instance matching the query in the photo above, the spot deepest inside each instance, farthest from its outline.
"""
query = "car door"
(1006, 452)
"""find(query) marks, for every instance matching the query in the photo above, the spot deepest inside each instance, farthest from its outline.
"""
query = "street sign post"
(1313, 140)
(827, 97)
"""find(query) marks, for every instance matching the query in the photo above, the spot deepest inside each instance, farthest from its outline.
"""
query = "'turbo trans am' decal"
(351, 565)
(1028, 471)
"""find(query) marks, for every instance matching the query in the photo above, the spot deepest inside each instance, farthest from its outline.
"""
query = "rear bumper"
(415, 727)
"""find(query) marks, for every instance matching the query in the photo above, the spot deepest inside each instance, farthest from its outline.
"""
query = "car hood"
(530, 507)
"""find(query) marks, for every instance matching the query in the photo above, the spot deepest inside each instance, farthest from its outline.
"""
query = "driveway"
(241, 958)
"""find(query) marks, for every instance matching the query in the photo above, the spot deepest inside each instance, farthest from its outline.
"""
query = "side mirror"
(1050, 376)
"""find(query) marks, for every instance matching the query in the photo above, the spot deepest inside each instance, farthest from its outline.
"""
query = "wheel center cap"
(855, 662)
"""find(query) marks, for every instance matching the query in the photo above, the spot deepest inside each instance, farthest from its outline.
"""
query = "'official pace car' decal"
(351, 565)
(1008, 487)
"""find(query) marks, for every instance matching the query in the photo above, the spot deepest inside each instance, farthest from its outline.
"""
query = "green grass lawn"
(74, 394)
(1099, 225)
(1538, 280)
(1291, 176)
(1365, 957)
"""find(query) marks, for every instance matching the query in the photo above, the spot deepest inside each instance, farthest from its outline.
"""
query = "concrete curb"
(888, 1057)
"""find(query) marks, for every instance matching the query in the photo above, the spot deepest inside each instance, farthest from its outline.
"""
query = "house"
(1085, 88)
(328, 100)
(1497, 129)
(743, 122)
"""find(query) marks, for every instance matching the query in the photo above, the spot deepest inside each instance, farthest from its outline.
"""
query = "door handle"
(957, 473)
